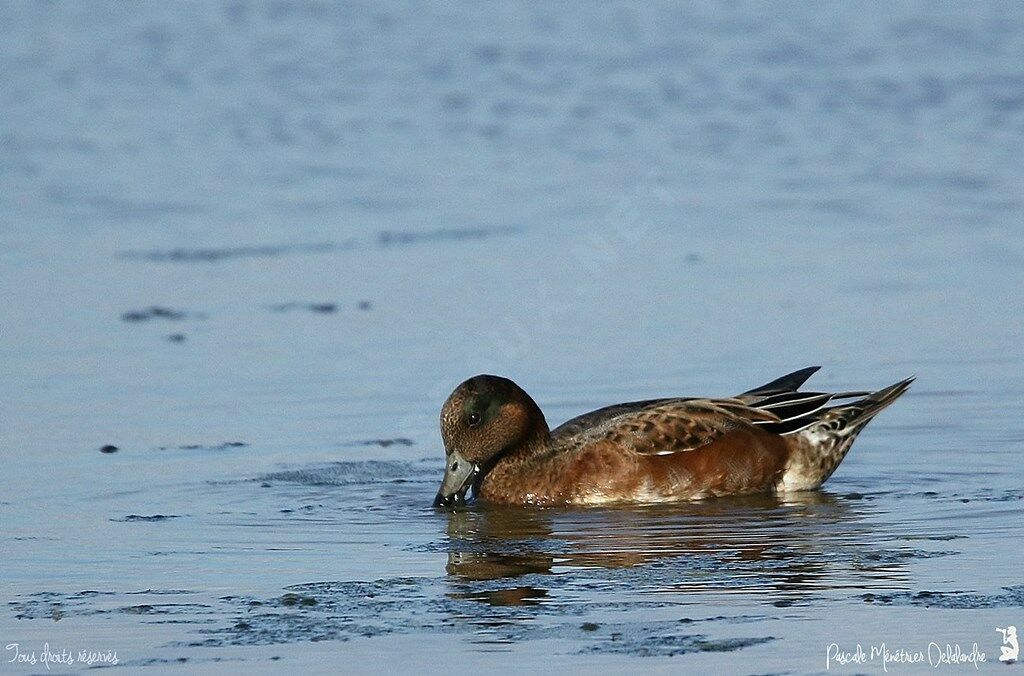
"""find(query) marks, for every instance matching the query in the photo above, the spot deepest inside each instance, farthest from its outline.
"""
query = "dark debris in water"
(304, 508)
(981, 495)
(109, 448)
(202, 447)
(389, 238)
(342, 611)
(150, 517)
(1011, 597)
(894, 556)
(318, 308)
(90, 603)
(292, 599)
(348, 473)
(177, 661)
(384, 239)
(384, 443)
(653, 644)
(512, 596)
(990, 495)
(217, 254)
(158, 312)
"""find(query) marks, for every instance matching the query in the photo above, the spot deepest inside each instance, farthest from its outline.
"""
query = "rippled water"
(255, 245)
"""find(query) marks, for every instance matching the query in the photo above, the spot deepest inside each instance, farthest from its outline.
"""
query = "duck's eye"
(473, 419)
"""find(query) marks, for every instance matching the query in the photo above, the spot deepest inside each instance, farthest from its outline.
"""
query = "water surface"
(255, 245)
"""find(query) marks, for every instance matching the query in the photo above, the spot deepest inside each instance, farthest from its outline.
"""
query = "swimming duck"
(772, 438)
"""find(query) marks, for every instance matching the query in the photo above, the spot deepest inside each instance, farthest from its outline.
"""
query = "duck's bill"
(459, 474)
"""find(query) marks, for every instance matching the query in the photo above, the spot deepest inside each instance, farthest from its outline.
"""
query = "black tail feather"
(800, 410)
(790, 382)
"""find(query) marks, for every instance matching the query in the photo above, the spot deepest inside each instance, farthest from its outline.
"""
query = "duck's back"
(664, 450)
(593, 419)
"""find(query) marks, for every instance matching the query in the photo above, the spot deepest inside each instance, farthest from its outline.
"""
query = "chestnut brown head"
(484, 418)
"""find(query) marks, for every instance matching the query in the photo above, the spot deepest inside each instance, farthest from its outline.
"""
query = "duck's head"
(485, 417)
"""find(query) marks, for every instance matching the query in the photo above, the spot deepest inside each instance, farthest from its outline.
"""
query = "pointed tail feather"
(819, 446)
(857, 414)
(790, 382)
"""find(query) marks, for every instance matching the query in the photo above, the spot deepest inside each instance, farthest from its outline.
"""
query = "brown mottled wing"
(668, 426)
(593, 419)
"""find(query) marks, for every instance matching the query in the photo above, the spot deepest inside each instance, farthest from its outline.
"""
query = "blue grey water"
(254, 245)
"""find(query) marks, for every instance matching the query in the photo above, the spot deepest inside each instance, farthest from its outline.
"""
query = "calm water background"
(342, 210)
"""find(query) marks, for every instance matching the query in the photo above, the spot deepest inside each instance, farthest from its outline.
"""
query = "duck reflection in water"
(790, 547)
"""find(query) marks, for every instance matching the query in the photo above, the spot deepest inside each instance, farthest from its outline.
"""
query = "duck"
(771, 439)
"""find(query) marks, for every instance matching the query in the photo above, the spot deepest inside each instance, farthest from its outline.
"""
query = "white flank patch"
(797, 478)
